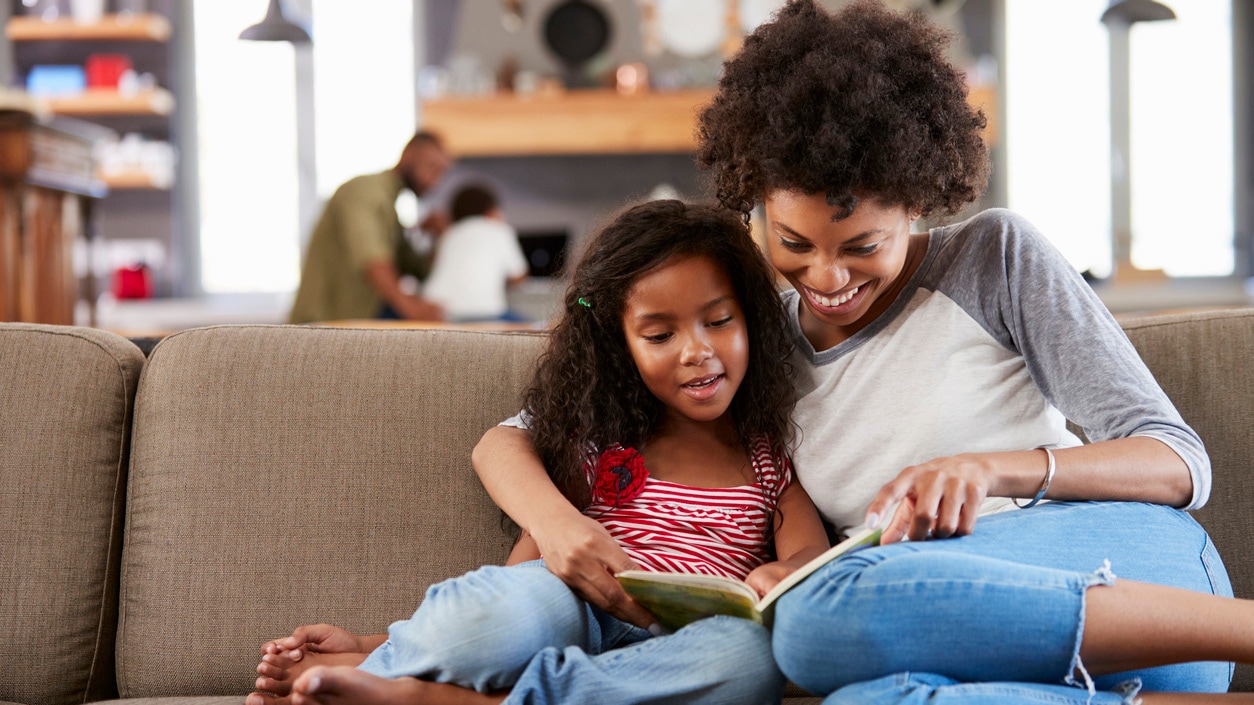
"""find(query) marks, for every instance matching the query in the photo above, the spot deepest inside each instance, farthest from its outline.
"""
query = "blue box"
(50, 80)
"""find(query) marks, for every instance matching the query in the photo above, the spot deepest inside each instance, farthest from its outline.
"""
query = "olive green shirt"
(358, 227)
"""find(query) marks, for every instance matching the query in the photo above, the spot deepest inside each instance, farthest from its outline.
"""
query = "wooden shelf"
(588, 122)
(105, 102)
(133, 181)
(145, 27)
(575, 122)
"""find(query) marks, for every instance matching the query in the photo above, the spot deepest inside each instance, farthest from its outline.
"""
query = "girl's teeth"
(836, 301)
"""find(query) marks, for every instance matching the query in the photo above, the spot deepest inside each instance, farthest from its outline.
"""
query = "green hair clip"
(584, 302)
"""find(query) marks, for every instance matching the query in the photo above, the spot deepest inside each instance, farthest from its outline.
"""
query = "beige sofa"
(159, 519)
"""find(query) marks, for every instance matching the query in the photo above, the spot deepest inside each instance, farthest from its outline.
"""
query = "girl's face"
(847, 271)
(687, 334)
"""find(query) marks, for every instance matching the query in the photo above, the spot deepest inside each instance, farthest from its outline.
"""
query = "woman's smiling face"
(847, 270)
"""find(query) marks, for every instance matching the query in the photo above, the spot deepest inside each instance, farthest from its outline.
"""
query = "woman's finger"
(949, 513)
(890, 495)
(899, 523)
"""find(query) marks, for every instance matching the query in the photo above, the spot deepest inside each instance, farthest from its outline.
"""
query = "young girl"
(661, 407)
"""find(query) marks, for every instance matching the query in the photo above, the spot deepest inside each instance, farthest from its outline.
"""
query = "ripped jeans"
(994, 617)
(520, 628)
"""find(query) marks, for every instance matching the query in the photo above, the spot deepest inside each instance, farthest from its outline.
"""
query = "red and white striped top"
(677, 528)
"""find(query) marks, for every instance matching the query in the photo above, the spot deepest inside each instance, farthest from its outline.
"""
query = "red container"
(134, 282)
(104, 70)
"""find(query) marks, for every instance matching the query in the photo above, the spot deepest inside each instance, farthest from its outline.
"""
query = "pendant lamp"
(275, 28)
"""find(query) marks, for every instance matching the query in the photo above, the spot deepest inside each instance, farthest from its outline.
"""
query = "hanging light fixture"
(1132, 11)
(275, 28)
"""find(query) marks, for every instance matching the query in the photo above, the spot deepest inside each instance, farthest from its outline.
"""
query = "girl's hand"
(938, 499)
(767, 576)
(582, 553)
(315, 638)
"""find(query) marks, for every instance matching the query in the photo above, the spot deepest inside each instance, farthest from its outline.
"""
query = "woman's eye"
(793, 245)
(864, 250)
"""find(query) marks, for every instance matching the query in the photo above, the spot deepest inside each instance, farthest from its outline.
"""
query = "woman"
(936, 372)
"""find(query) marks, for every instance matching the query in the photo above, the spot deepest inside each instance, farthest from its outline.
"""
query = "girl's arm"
(942, 497)
(575, 548)
(799, 538)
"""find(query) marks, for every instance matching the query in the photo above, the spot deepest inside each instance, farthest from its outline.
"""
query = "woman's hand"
(938, 499)
(582, 553)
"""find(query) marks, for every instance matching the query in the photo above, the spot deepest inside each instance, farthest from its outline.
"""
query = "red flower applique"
(619, 476)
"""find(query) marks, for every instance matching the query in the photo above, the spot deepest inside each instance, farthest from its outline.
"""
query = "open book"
(677, 599)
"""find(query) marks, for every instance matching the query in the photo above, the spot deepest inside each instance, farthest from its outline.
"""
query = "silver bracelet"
(1049, 477)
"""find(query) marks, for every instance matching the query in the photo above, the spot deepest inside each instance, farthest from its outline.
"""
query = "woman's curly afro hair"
(587, 392)
(860, 102)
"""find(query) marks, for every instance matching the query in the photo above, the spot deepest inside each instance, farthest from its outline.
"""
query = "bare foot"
(349, 686)
(279, 671)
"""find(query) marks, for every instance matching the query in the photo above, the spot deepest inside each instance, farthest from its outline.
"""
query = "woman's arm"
(575, 548)
(799, 538)
(942, 497)
(1027, 297)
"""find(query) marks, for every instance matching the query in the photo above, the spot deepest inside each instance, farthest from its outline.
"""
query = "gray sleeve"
(1021, 290)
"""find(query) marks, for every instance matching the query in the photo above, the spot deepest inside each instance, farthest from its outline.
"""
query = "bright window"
(1058, 133)
(249, 186)
(246, 98)
(363, 87)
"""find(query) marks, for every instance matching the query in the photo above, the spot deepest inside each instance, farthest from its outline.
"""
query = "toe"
(271, 685)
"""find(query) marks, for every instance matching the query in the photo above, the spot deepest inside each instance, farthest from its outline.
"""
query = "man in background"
(358, 251)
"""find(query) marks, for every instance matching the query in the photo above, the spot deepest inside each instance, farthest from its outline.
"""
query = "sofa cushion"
(1205, 363)
(65, 403)
(192, 700)
(285, 475)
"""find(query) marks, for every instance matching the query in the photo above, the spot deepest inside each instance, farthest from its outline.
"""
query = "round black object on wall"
(575, 31)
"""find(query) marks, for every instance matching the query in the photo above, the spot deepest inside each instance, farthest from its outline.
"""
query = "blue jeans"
(996, 616)
(521, 628)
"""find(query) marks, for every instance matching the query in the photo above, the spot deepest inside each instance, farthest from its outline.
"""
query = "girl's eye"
(865, 250)
(721, 322)
(793, 245)
(658, 338)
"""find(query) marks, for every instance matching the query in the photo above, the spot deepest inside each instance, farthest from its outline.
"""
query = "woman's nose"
(828, 277)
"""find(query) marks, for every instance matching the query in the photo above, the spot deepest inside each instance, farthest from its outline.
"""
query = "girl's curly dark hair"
(587, 391)
(860, 102)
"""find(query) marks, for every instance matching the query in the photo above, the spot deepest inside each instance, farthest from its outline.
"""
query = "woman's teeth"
(698, 384)
(838, 300)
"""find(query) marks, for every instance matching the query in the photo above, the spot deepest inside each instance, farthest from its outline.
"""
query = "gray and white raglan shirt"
(992, 345)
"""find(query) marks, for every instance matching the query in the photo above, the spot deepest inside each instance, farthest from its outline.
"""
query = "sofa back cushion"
(1205, 363)
(65, 404)
(290, 475)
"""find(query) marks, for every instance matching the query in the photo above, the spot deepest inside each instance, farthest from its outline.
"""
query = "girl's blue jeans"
(520, 628)
(993, 617)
